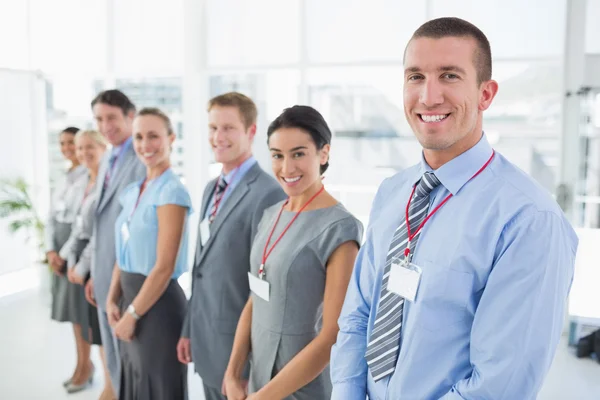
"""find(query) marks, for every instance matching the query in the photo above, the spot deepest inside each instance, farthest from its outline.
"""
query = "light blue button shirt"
(137, 254)
(231, 179)
(497, 265)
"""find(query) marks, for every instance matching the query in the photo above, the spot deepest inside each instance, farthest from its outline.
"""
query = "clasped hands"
(124, 326)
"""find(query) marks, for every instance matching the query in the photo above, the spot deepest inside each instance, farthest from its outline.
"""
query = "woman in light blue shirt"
(151, 246)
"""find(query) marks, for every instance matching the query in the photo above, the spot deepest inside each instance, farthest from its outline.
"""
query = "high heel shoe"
(71, 388)
(67, 382)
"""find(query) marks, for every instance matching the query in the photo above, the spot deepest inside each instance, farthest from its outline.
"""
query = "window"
(357, 30)
(259, 32)
(515, 28)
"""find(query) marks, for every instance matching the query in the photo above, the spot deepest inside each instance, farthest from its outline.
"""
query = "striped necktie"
(111, 166)
(384, 344)
(219, 192)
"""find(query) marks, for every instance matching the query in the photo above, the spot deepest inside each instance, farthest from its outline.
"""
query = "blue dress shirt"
(138, 253)
(231, 179)
(497, 265)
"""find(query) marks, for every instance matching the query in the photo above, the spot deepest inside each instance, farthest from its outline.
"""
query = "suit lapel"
(128, 159)
(234, 198)
(208, 191)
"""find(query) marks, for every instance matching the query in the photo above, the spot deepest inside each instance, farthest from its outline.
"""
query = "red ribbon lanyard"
(411, 236)
(220, 196)
(266, 254)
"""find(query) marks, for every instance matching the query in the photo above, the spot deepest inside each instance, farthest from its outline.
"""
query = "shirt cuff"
(348, 391)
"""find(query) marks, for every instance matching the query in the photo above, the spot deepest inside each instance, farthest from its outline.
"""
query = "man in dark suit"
(232, 206)
(114, 114)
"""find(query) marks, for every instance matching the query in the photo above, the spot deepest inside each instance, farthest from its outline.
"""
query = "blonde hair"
(92, 134)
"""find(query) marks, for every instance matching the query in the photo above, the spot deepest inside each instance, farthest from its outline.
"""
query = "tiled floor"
(36, 355)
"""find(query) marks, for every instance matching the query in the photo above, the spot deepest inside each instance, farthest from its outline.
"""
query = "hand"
(125, 328)
(234, 388)
(89, 292)
(73, 277)
(57, 265)
(50, 256)
(114, 314)
(184, 354)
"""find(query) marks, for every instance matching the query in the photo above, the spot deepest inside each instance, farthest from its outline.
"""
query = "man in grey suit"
(232, 207)
(114, 114)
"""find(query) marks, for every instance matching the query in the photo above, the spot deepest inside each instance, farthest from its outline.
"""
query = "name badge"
(79, 222)
(404, 279)
(61, 206)
(204, 231)
(260, 287)
(125, 232)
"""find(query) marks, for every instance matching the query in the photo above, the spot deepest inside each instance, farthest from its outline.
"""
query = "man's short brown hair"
(243, 103)
(456, 27)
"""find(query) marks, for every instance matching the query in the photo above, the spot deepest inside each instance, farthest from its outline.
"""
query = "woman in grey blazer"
(65, 202)
(301, 261)
(77, 251)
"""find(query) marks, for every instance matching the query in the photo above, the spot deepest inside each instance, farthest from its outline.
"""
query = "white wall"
(23, 153)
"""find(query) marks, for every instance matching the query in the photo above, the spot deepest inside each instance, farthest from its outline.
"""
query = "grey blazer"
(128, 169)
(82, 231)
(220, 274)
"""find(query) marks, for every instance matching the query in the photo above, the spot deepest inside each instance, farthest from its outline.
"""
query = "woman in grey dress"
(65, 202)
(77, 251)
(301, 261)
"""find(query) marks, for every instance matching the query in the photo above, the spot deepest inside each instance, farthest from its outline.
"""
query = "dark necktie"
(219, 192)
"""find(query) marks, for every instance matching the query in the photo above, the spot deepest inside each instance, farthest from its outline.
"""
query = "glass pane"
(259, 32)
(524, 120)
(363, 106)
(13, 25)
(511, 25)
(272, 91)
(592, 27)
(357, 30)
(68, 42)
(149, 37)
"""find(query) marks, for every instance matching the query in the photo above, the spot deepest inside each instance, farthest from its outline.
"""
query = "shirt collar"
(458, 171)
(117, 149)
(241, 170)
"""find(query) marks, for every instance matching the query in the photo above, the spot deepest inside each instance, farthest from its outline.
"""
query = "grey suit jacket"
(220, 275)
(129, 169)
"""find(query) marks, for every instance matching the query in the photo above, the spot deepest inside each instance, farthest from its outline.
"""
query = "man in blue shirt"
(459, 291)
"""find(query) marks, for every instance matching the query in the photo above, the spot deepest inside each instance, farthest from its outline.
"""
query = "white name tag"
(404, 279)
(61, 206)
(204, 231)
(79, 222)
(260, 287)
(125, 232)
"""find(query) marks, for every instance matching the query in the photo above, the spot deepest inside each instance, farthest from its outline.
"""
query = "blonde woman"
(90, 147)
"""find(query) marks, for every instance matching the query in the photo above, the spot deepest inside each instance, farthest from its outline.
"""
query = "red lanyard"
(266, 254)
(219, 197)
(411, 236)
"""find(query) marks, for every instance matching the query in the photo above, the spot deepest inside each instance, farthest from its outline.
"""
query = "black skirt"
(150, 369)
(90, 326)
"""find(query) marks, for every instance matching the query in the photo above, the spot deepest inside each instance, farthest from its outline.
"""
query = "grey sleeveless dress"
(296, 270)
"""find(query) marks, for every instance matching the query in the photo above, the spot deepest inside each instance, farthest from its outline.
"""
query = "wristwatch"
(131, 310)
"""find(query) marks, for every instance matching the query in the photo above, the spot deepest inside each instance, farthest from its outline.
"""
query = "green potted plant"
(17, 206)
